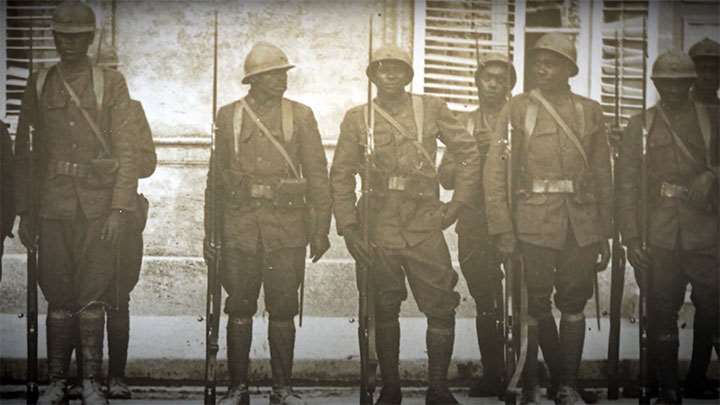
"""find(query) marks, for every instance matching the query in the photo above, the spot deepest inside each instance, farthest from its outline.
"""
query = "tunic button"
(72, 123)
(259, 159)
(74, 146)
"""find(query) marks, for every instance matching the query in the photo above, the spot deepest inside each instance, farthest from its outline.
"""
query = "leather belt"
(70, 168)
(262, 191)
(547, 186)
(398, 183)
(669, 190)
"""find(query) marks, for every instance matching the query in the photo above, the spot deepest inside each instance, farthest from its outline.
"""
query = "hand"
(356, 246)
(604, 257)
(701, 188)
(210, 253)
(451, 212)
(114, 227)
(506, 244)
(638, 257)
(28, 232)
(318, 246)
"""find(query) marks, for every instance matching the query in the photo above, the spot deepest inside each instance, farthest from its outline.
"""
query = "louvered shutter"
(448, 36)
(624, 18)
(26, 20)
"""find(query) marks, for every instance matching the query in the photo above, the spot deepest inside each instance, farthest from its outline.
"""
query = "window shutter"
(452, 32)
(624, 18)
(26, 20)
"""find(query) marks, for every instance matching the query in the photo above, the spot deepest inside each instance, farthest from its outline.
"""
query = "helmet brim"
(246, 78)
(63, 28)
(373, 66)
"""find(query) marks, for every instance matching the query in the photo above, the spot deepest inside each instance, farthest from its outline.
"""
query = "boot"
(666, 346)
(491, 355)
(118, 330)
(239, 340)
(281, 335)
(60, 339)
(572, 341)
(530, 386)
(697, 385)
(92, 328)
(387, 341)
(439, 348)
(567, 395)
(549, 342)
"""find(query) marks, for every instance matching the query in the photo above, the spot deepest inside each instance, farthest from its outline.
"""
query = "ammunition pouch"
(102, 173)
(584, 189)
(141, 212)
(290, 193)
(63, 168)
(245, 190)
(412, 187)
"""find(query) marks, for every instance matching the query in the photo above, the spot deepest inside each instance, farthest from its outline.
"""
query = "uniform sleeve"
(628, 178)
(600, 161)
(464, 150)
(446, 171)
(495, 178)
(7, 216)
(122, 139)
(315, 170)
(28, 114)
(215, 186)
(144, 141)
(347, 163)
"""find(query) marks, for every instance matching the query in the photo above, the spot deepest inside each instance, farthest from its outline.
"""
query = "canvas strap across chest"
(286, 112)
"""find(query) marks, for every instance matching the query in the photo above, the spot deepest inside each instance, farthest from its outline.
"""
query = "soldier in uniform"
(274, 192)
(494, 78)
(131, 245)
(406, 216)
(561, 219)
(682, 156)
(85, 194)
(7, 196)
(706, 57)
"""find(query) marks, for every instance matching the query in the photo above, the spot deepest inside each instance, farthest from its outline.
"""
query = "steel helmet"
(561, 44)
(389, 52)
(705, 48)
(673, 65)
(72, 17)
(265, 57)
(499, 59)
(108, 57)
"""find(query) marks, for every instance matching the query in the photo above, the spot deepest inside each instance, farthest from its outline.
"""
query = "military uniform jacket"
(481, 125)
(7, 197)
(143, 140)
(62, 134)
(546, 219)
(396, 220)
(249, 222)
(670, 219)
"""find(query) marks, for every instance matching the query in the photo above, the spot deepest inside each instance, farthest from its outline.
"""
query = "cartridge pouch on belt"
(64, 168)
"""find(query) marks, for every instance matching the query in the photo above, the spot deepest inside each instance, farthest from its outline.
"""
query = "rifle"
(366, 324)
(32, 391)
(212, 308)
(618, 252)
(644, 231)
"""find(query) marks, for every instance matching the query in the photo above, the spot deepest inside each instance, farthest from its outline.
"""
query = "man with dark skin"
(84, 190)
(706, 57)
(7, 185)
(682, 159)
(494, 78)
(561, 219)
(406, 217)
(274, 192)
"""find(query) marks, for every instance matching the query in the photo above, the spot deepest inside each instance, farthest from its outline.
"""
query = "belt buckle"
(669, 190)
(548, 186)
(397, 183)
(261, 191)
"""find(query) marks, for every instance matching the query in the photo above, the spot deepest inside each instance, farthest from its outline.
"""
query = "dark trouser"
(570, 273)
(671, 272)
(480, 266)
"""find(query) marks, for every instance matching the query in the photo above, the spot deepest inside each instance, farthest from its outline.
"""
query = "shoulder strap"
(237, 126)
(270, 137)
(530, 119)
(470, 125)
(419, 115)
(677, 140)
(40, 82)
(562, 124)
(98, 86)
(91, 122)
(403, 132)
(286, 111)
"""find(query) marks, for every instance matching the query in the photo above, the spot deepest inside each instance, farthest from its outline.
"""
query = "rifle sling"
(679, 143)
(243, 105)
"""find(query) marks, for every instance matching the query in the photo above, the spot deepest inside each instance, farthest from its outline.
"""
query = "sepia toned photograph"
(373, 202)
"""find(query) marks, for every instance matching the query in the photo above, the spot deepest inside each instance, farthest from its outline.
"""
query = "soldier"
(85, 183)
(494, 78)
(131, 246)
(706, 57)
(682, 156)
(407, 217)
(7, 197)
(561, 220)
(276, 198)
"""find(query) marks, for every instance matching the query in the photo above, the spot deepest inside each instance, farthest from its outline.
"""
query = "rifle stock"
(213, 303)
